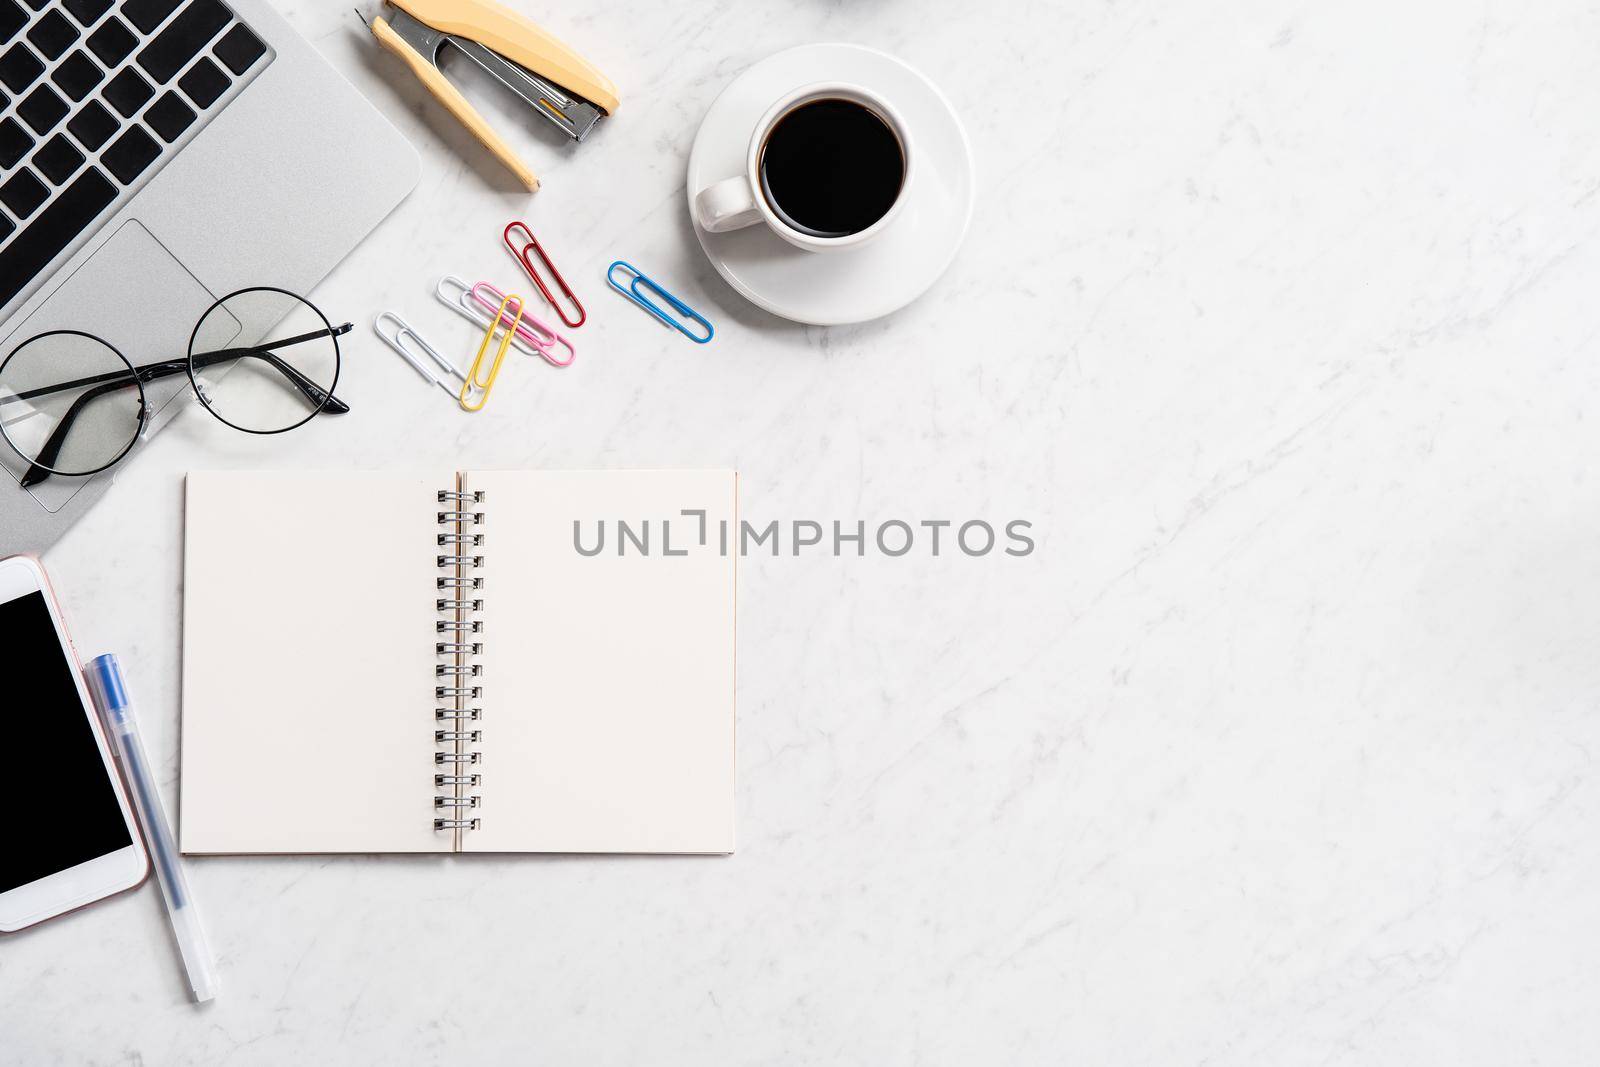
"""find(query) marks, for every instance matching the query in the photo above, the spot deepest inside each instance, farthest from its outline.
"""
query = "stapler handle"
(519, 39)
(451, 98)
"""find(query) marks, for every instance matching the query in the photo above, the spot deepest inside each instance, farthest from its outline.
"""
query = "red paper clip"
(527, 265)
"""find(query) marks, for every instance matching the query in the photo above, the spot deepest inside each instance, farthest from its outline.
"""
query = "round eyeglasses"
(72, 404)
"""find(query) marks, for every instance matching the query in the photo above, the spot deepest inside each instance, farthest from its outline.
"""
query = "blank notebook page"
(608, 681)
(308, 662)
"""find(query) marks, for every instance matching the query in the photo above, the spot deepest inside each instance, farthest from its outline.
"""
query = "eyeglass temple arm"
(152, 371)
(40, 469)
(46, 458)
(313, 392)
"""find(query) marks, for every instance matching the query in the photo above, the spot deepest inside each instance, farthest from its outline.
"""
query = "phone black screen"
(64, 810)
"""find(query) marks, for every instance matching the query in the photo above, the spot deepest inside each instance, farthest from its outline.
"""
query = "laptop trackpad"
(135, 295)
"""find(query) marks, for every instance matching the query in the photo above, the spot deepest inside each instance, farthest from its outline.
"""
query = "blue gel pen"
(116, 710)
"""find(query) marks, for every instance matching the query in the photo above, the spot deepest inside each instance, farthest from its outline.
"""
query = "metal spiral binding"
(455, 667)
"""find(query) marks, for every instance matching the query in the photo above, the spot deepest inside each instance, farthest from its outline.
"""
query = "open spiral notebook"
(426, 663)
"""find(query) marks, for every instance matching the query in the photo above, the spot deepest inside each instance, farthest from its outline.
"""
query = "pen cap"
(105, 682)
(197, 958)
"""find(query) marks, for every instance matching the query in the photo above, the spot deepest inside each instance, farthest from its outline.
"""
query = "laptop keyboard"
(95, 96)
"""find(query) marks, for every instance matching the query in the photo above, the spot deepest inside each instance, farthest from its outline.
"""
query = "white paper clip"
(397, 341)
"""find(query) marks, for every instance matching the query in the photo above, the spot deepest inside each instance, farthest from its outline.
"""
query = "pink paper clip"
(545, 345)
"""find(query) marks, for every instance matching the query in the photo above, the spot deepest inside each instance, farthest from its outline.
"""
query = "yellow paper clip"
(474, 378)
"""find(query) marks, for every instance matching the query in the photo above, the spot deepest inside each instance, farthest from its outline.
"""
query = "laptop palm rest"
(136, 296)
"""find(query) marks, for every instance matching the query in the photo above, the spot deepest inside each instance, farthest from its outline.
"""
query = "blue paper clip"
(643, 281)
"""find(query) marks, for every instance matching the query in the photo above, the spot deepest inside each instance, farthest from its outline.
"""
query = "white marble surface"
(1278, 321)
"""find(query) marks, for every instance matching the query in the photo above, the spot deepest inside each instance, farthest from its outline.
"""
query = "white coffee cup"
(737, 202)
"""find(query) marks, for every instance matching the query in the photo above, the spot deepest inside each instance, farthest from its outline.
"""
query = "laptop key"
(57, 160)
(37, 5)
(130, 154)
(77, 75)
(19, 67)
(53, 34)
(23, 193)
(14, 142)
(6, 226)
(111, 42)
(185, 36)
(42, 109)
(12, 19)
(239, 49)
(87, 11)
(127, 92)
(73, 209)
(93, 125)
(148, 14)
(169, 116)
(204, 83)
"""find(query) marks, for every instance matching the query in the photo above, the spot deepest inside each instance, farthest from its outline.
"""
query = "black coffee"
(831, 168)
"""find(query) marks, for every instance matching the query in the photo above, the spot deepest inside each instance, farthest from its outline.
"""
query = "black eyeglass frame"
(109, 382)
(265, 351)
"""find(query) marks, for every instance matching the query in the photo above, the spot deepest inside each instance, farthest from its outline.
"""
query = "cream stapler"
(557, 83)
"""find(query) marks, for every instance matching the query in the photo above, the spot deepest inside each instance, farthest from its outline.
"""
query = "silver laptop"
(154, 156)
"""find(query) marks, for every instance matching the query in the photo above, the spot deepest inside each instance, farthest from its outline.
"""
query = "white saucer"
(853, 284)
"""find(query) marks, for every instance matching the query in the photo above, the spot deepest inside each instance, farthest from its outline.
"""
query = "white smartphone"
(76, 842)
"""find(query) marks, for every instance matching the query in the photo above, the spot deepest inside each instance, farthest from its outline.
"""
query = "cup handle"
(728, 205)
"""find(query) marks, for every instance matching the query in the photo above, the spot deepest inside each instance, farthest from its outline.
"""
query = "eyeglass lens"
(274, 383)
(69, 403)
